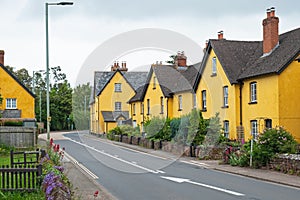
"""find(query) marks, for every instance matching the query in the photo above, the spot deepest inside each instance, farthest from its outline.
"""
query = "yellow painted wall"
(267, 103)
(9, 88)
(187, 104)
(108, 97)
(213, 84)
(289, 96)
(154, 94)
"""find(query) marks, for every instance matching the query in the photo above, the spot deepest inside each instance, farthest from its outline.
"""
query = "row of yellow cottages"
(252, 84)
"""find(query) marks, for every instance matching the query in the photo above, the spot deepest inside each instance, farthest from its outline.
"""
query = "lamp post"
(47, 62)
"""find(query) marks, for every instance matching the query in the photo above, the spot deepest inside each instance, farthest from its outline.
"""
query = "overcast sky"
(76, 31)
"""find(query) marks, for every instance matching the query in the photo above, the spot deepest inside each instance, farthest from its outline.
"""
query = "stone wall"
(20, 137)
(286, 163)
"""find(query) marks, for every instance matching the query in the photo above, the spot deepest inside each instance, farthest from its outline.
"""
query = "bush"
(270, 142)
(13, 123)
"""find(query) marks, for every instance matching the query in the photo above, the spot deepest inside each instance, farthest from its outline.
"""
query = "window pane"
(180, 102)
(214, 65)
(118, 87)
(118, 106)
(11, 103)
(225, 93)
(253, 92)
(204, 99)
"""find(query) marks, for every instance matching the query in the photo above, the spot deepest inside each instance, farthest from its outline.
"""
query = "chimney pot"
(2, 57)
(272, 14)
(220, 35)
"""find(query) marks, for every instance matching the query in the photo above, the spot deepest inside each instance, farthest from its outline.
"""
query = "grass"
(5, 160)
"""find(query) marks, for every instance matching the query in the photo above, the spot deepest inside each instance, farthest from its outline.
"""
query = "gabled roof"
(278, 60)
(245, 59)
(112, 116)
(17, 80)
(234, 55)
(170, 79)
(102, 78)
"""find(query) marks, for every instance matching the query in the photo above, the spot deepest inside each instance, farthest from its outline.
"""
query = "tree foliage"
(81, 113)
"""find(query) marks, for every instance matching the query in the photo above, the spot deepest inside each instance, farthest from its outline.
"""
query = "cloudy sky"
(76, 31)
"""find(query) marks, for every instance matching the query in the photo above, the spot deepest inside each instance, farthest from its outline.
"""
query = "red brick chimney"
(220, 35)
(181, 59)
(270, 31)
(2, 57)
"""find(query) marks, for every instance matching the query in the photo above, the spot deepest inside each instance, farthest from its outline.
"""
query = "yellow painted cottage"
(253, 84)
(168, 92)
(17, 100)
(112, 90)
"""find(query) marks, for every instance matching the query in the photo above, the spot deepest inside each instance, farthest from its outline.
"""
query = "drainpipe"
(241, 104)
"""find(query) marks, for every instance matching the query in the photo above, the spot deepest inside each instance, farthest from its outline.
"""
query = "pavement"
(84, 186)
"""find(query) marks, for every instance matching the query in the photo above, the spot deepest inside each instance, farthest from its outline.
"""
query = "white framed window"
(226, 128)
(203, 93)
(154, 82)
(161, 105)
(253, 92)
(11, 103)
(225, 96)
(180, 102)
(118, 87)
(118, 106)
(254, 129)
(214, 65)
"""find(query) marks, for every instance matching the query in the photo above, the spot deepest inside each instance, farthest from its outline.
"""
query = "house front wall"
(266, 107)
(187, 104)
(213, 84)
(153, 95)
(108, 98)
(289, 96)
(10, 88)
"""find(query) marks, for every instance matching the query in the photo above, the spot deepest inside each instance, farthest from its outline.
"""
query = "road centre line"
(117, 158)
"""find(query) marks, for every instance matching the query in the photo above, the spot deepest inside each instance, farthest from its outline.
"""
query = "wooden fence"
(23, 178)
(24, 172)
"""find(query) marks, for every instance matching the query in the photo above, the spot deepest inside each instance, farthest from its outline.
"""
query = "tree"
(60, 101)
(24, 77)
(81, 113)
(172, 61)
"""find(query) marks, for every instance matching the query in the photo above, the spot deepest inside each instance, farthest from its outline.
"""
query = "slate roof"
(278, 60)
(102, 78)
(17, 80)
(244, 59)
(136, 79)
(112, 116)
(170, 79)
(234, 55)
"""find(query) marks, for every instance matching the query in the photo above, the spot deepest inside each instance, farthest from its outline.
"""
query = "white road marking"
(81, 166)
(182, 180)
(114, 157)
(195, 163)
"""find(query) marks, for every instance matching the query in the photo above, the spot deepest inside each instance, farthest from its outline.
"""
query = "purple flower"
(59, 168)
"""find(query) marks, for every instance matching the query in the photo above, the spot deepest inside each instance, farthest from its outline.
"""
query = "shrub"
(270, 142)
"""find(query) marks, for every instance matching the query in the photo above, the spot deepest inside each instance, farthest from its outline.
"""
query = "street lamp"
(47, 62)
